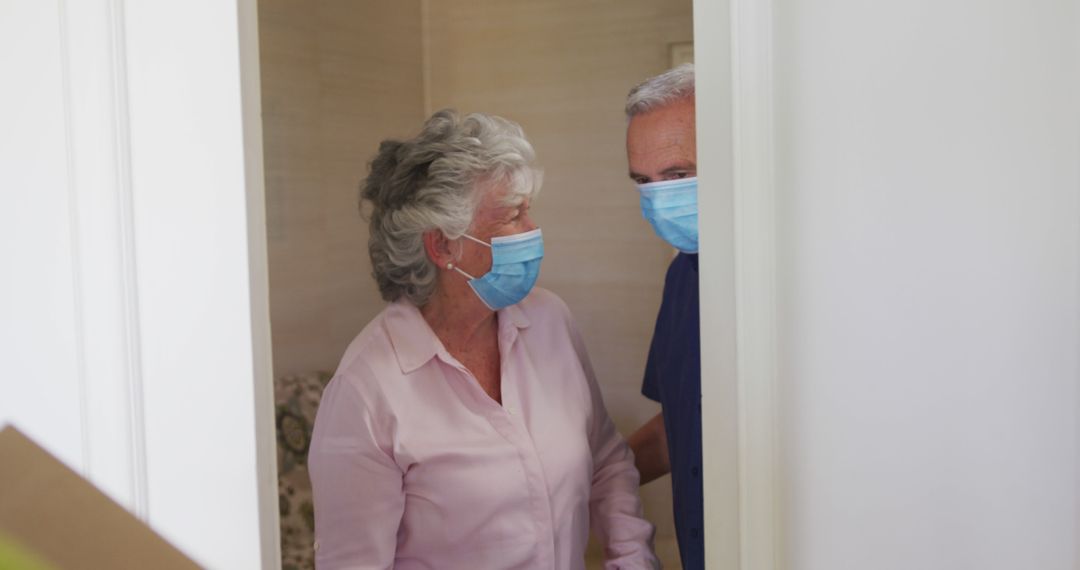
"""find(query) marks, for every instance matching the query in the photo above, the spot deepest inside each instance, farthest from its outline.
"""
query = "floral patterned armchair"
(296, 400)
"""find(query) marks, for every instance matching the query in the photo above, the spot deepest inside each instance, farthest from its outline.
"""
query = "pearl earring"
(449, 265)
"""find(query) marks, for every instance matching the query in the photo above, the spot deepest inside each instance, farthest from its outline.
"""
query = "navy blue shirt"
(673, 378)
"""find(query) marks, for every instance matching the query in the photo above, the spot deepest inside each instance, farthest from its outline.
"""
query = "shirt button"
(510, 410)
(694, 533)
(694, 471)
(316, 545)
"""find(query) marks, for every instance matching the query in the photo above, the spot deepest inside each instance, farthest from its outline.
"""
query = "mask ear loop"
(458, 269)
(450, 266)
(476, 240)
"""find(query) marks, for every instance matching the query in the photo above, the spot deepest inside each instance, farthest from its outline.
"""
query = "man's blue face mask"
(515, 265)
(671, 208)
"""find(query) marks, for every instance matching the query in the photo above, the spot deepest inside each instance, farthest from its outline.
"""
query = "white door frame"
(136, 332)
(259, 287)
(733, 44)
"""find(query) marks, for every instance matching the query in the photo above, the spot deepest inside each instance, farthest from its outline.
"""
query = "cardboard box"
(51, 516)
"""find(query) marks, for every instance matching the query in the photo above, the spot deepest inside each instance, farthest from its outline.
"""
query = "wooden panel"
(338, 77)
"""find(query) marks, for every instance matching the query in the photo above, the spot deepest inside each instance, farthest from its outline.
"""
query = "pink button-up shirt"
(413, 465)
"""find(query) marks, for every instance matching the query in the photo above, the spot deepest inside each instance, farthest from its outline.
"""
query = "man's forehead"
(662, 142)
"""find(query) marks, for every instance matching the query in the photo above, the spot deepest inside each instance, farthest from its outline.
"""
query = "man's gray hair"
(435, 181)
(664, 89)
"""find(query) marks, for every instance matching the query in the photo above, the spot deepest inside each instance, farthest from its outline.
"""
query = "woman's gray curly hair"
(434, 181)
(664, 89)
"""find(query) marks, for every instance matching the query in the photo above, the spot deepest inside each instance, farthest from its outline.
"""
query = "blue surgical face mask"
(515, 265)
(671, 208)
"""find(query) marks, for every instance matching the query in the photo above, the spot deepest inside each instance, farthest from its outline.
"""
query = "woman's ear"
(438, 249)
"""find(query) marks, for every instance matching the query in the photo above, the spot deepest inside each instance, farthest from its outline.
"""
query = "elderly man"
(661, 150)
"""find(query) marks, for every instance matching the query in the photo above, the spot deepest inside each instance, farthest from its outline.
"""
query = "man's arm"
(649, 444)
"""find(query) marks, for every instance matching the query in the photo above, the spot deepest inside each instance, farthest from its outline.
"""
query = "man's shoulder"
(682, 276)
(684, 263)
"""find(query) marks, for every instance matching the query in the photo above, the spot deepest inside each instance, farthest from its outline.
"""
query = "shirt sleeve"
(356, 485)
(614, 505)
(655, 366)
(650, 385)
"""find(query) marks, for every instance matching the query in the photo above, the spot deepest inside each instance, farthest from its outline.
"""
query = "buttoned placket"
(509, 422)
(522, 439)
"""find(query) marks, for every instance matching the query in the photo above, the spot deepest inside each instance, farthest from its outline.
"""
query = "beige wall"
(341, 77)
(338, 76)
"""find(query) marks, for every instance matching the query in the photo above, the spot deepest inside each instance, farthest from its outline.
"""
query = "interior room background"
(914, 165)
(339, 76)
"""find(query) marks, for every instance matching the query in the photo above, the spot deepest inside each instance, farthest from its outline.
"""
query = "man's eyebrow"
(682, 167)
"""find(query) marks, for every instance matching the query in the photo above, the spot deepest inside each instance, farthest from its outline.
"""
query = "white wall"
(37, 302)
(134, 324)
(928, 165)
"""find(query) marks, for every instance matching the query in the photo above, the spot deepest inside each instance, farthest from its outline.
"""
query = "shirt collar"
(415, 343)
(515, 316)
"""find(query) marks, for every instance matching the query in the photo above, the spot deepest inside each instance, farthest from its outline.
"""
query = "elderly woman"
(464, 427)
